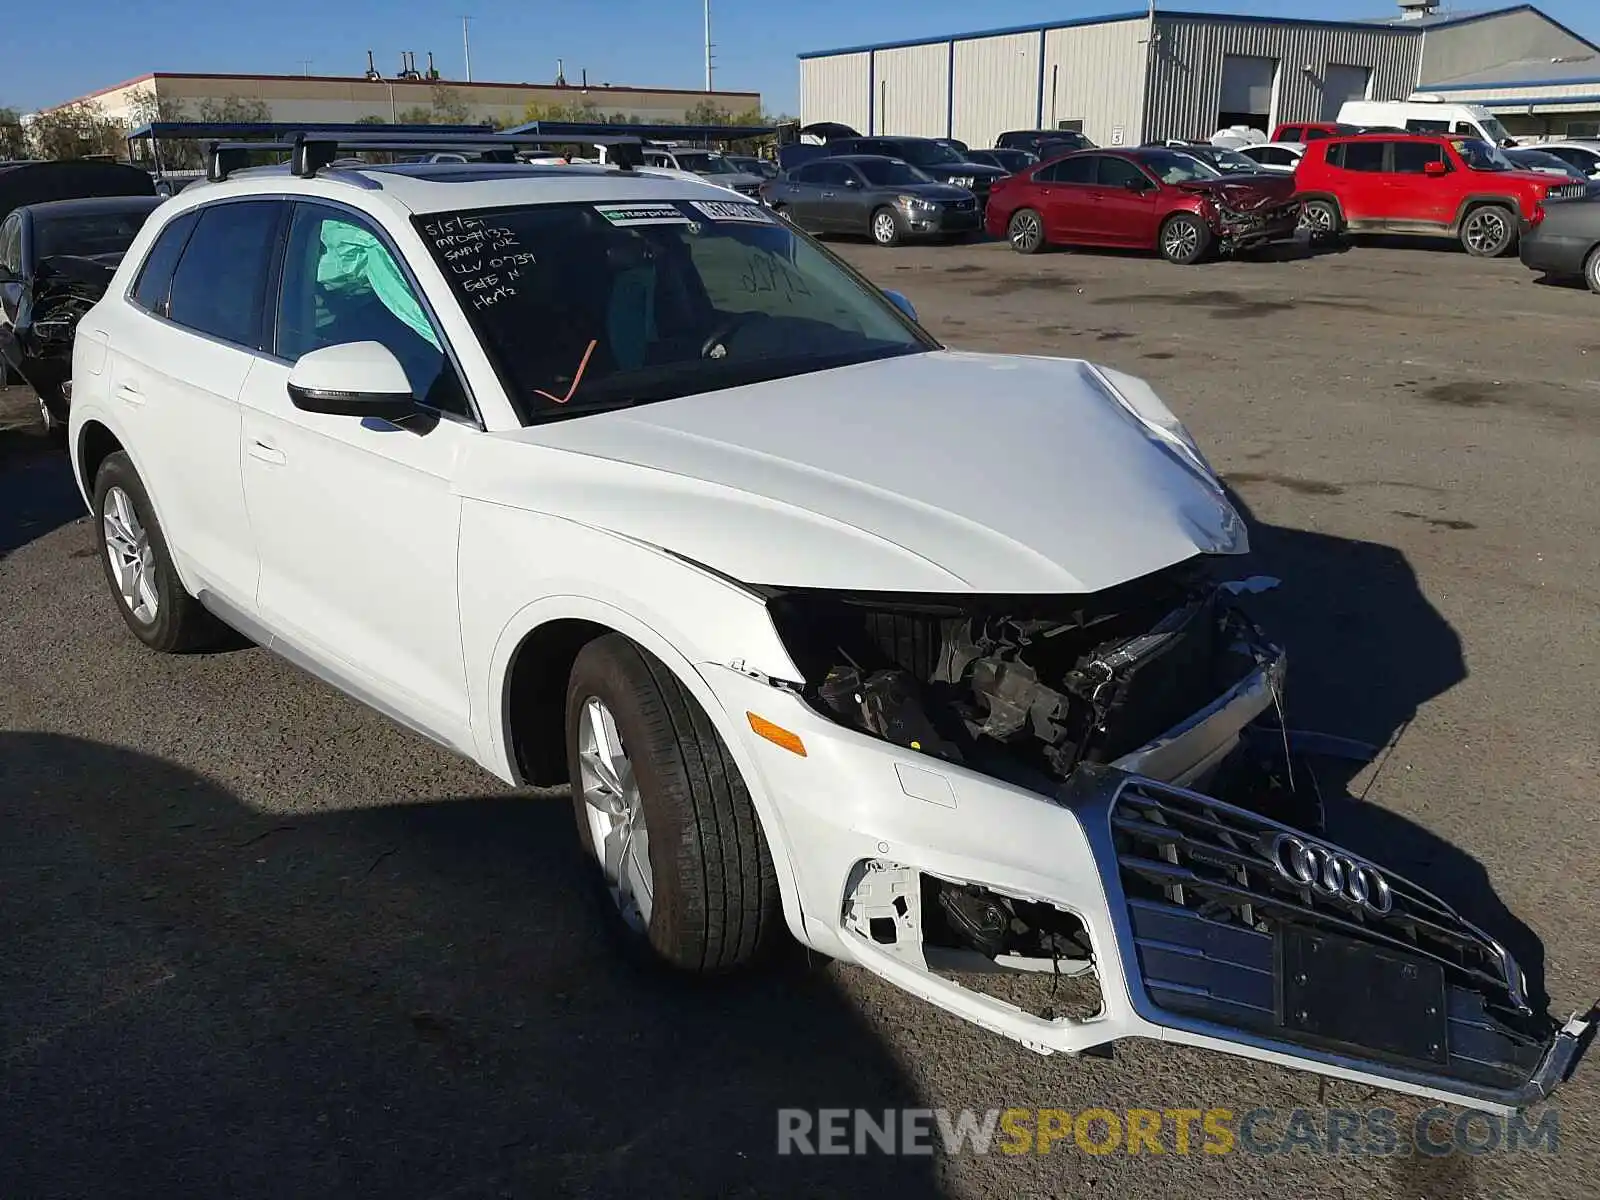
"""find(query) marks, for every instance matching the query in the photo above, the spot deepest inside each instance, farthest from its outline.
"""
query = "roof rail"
(310, 152)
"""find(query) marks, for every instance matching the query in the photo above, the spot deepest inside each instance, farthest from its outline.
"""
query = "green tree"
(235, 109)
(13, 138)
(146, 108)
(75, 130)
(448, 107)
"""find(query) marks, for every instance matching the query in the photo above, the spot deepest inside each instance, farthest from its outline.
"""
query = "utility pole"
(466, 45)
(708, 44)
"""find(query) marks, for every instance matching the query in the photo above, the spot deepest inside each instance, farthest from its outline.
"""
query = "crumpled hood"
(942, 472)
(1247, 193)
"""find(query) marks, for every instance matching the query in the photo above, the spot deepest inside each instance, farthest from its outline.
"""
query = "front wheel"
(1185, 239)
(1320, 220)
(1489, 232)
(886, 227)
(665, 815)
(1025, 231)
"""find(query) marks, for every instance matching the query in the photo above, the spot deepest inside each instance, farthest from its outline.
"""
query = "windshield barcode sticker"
(642, 214)
(732, 210)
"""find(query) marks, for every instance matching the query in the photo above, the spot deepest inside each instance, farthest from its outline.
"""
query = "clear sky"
(55, 51)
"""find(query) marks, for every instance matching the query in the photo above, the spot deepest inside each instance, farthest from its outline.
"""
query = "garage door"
(1341, 84)
(1247, 91)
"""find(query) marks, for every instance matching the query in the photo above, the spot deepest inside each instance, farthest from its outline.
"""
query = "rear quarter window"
(155, 275)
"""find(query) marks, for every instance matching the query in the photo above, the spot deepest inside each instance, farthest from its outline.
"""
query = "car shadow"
(1366, 650)
(37, 491)
(198, 998)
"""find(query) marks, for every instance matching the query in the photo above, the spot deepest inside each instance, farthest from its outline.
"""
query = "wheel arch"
(1482, 199)
(531, 663)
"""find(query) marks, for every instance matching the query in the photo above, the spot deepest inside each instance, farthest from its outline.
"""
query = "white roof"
(447, 187)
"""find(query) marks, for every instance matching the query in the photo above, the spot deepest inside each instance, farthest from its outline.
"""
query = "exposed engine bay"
(63, 290)
(1025, 688)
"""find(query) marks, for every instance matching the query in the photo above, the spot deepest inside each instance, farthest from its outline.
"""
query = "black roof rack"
(310, 151)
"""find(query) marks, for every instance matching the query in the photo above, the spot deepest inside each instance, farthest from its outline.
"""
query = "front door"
(1414, 199)
(1124, 201)
(356, 521)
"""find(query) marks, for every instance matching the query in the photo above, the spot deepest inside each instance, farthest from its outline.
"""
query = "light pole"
(466, 45)
(708, 44)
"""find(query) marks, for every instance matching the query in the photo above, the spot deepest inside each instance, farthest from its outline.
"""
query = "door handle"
(267, 453)
(829, 195)
(129, 393)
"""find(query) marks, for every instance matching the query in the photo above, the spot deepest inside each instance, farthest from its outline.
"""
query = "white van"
(1427, 116)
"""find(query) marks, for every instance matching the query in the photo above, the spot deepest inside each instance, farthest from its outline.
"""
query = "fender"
(1326, 197)
(1479, 199)
(497, 756)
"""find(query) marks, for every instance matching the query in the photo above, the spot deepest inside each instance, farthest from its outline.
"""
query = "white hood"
(938, 472)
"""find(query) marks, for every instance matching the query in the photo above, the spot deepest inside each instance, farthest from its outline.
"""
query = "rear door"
(848, 202)
(1062, 197)
(1360, 182)
(800, 193)
(180, 352)
(11, 286)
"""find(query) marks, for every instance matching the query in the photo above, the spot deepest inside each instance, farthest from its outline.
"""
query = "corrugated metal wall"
(1095, 74)
(836, 87)
(1458, 50)
(1185, 86)
(913, 90)
(996, 86)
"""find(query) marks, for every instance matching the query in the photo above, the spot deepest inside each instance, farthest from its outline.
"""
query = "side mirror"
(852, 182)
(900, 302)
(1137, 186)
(1435, 168)
(358, 379)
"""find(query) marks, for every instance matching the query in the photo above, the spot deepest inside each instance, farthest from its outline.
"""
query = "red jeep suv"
(1426, 184)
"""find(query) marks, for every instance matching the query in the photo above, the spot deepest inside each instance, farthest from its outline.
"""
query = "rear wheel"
(1591, 271)
(886, 227)
(1489, 231)
(662, 810)
(1185, 239)
(1026, 231)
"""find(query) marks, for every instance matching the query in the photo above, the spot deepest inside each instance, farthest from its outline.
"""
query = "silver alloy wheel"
(1486, 230)
(132, 558)
(48, 417)
(1318, 218)
(1025, 231)
(617, 832)
(1181, 239)
(884, 230)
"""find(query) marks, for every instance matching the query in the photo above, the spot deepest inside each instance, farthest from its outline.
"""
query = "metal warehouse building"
(1125, 78)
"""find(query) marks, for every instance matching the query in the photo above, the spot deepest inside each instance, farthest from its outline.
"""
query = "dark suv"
(931, 156)
(1043, 143)
(1423, 183)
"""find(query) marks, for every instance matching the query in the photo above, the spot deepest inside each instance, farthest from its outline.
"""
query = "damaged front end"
(1128, 903)
(64, 288)
(1028, 688)
(1245, 215)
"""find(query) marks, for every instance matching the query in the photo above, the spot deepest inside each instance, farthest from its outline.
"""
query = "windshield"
(1171, 167)
(702, 162)
(890, 173)
(1481, 156)
(1538, 160)
(1231, 160)
(587, 307)
(927, 154)
(87, 234)
(1494, 129)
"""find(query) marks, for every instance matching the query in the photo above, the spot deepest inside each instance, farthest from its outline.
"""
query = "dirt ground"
(257, 941)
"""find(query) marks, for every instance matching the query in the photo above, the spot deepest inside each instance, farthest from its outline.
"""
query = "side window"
(1118, 172)
(11, 244)
(809, 173)
(155, 277)
(341, 284)
(1412, 158)
(832, 174)
(1364, 156)
(1311, 135)
(1469, 130)
(220, 286)
(1428, 126)
(1079, 168)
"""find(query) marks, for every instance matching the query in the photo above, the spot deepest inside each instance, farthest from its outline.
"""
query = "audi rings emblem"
(1331, 874)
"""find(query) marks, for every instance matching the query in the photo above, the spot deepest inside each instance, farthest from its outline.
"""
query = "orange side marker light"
(777, 734)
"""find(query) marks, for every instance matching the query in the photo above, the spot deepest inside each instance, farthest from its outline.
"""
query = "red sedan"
(1149, 198)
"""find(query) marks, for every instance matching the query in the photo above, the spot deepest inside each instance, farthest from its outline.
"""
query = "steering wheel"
(724, 330)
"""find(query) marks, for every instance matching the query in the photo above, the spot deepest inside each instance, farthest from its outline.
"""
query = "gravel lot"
(260, 942)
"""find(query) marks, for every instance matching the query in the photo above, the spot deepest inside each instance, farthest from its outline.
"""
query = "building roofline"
(1592, 100)
(155, 77)
(1470, 18)
(1165, 14)
(1509, 83)
(1035, 27)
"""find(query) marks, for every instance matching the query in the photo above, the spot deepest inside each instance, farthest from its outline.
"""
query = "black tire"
(1591, 271)
(886, 228)
(53, 417)
(1320, 218)
(179, 623)
(1184, 239)
(1489, 231)
(715, 900)
(1025, 231)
